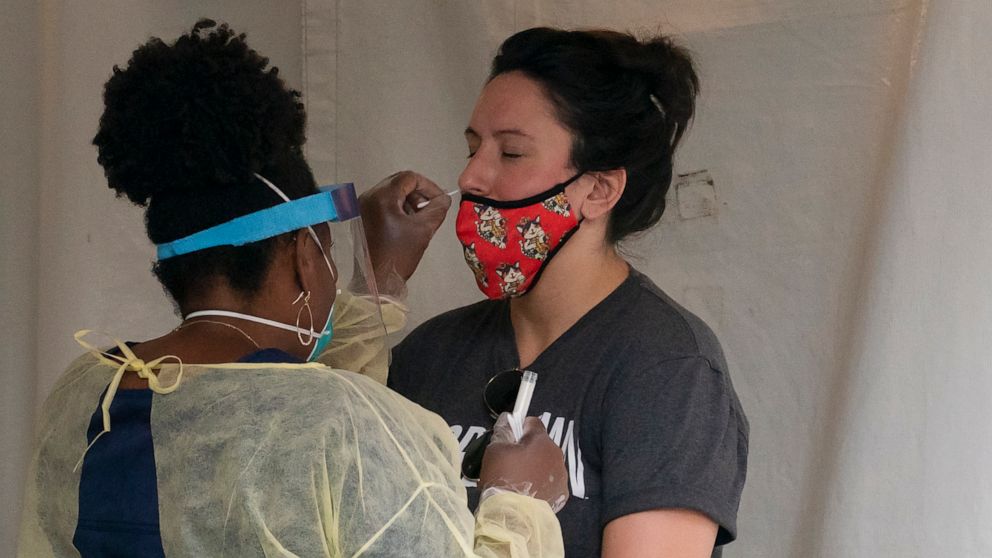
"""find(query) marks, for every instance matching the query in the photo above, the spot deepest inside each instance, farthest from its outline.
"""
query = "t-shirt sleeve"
(674, 437)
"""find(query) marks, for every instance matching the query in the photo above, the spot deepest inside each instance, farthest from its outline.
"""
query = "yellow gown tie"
(127, 360)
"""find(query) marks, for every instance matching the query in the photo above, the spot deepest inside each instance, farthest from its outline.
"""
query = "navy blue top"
(118, 490)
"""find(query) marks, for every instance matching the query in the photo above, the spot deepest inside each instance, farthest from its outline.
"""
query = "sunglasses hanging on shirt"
(499, 396)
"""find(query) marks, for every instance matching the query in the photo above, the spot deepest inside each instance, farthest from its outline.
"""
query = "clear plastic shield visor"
(359, 341)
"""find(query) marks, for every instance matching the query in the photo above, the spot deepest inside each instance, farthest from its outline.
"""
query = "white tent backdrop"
(832, 229)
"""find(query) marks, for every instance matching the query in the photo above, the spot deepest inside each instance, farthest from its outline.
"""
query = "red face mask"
(507, 244)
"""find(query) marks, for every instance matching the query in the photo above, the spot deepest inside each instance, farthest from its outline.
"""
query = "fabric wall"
(20, 37)
(831, 228)
(909, 464)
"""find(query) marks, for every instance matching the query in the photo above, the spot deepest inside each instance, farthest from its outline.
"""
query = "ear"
(606, 190)
(304, 250)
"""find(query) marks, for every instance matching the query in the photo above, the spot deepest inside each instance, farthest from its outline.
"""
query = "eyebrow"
(506, 132)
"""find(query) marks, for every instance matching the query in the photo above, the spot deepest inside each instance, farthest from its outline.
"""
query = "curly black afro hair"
(185, 127)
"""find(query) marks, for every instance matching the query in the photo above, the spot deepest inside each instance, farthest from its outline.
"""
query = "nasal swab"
(423, 204)
(522, 404)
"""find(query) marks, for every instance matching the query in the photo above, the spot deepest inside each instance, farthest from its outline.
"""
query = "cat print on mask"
(558, 204)
(475, 264)
(491, 225)
(507, 243)
(533, 241)
(511, 278)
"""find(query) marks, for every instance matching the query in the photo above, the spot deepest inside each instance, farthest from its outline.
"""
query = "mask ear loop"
(313, 233)
(327, 259)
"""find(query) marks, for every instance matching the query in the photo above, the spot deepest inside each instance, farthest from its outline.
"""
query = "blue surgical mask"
(325, 335)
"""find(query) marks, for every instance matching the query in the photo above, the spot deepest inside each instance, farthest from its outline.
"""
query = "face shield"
(356, 316)
(359, 342)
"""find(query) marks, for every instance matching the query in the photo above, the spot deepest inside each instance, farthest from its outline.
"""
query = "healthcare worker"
(224, 437)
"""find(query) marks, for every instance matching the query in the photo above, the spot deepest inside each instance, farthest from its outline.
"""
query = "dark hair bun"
(202, 113)
(668, 72)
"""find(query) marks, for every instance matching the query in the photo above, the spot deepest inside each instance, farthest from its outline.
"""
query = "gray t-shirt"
(636, 393)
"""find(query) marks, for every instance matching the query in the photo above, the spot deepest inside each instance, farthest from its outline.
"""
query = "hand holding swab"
(423, 204)
(522, 404)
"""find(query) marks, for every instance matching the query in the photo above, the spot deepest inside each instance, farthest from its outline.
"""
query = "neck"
(580, 276)
(274, 307)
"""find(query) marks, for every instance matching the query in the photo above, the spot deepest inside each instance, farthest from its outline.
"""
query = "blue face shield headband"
(335, 203)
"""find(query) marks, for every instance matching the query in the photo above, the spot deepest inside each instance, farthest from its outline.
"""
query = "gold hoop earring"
(306, 306)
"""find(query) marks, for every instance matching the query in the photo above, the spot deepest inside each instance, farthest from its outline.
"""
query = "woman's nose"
(477, 178)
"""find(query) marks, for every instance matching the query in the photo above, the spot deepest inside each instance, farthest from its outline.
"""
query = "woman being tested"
(223, 437)
(570, 152)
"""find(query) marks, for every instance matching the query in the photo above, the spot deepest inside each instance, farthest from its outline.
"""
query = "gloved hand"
(534, 466)
(398, 233)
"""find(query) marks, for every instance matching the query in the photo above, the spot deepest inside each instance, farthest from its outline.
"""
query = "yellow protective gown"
(360, 329)
(281, 460)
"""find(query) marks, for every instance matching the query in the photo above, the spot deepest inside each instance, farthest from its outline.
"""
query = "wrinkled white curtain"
(832, 230)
